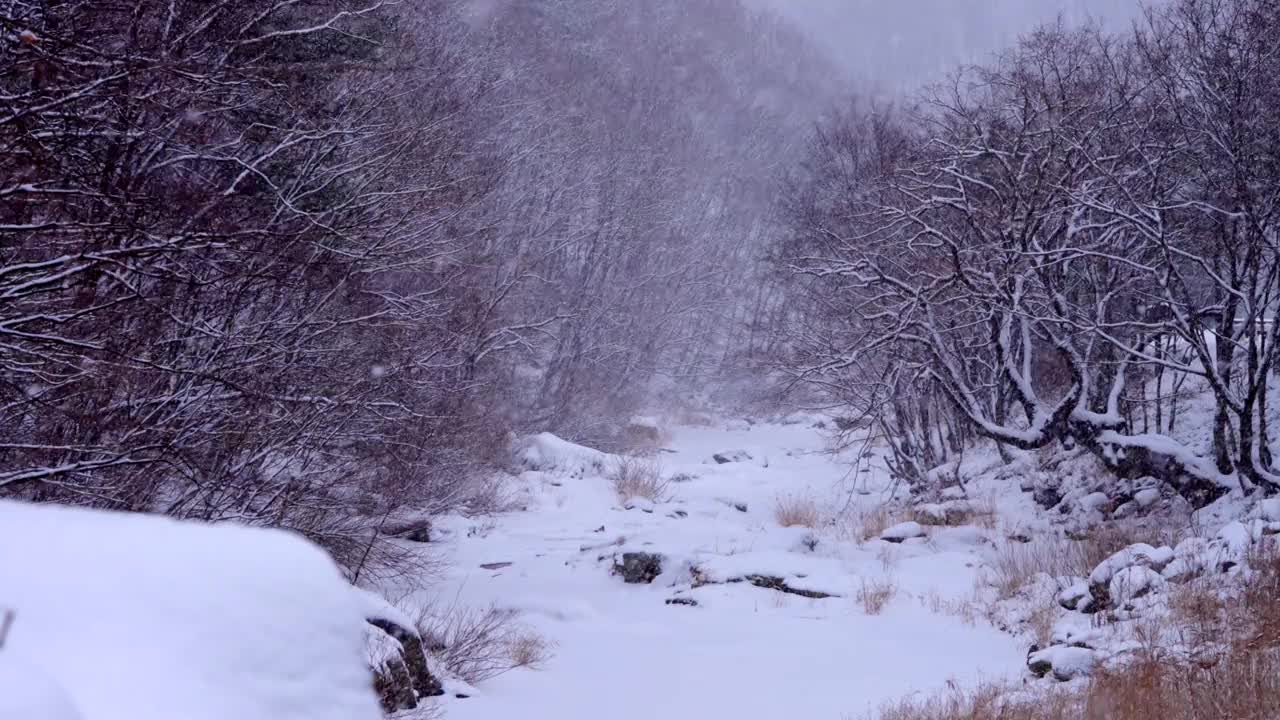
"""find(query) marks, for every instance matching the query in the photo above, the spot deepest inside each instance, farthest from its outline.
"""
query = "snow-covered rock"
(1071, 595)
(902, 532)
(1095, 502)
(1146, 497)
(1268, 510)
(144, 618)
(548, 453)
(1136, 554)
(1230, 547)
(639, 503)
(731, 456)
(1134, 582)
(1064, 662)
(1190, 560)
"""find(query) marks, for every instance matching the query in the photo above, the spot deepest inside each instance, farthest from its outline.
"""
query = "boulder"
(1071, 596)
(1064, 662)
(638, 568)
(902, 532)
(1134, 582)
(731, 456)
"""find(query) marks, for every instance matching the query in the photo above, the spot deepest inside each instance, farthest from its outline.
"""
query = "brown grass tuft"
(640, 477)
(797, 512)
(875, 595)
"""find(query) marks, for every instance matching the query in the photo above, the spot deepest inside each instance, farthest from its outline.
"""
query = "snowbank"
(143, 618)
(548, 453)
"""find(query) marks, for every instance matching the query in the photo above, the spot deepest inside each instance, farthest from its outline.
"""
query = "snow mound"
(548, 453)
(903, 531)
(144, 618)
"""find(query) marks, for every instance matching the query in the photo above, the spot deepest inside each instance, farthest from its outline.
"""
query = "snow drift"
(129, 617)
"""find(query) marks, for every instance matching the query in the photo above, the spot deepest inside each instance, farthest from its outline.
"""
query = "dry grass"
(875, 595)
(1014, 564)
(639, 477)
(477, 645)
(867, 524)
(797, 512)
(988, 702)
(1224, 663)
(982, 514)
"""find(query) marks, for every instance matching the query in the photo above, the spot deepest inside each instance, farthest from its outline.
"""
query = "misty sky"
(899, 44)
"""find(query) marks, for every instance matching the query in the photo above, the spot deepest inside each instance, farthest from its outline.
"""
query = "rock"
(1268, 510)
(1069, 598)
(1046, 496)
(689, 602)
(1134, 582)
(731, 456)
(418, 531)
(1138, 554)
(639, 503)
(495, 565)
(1080, 637)
(1146, 497)
(1190, 560)
(1065, 663)
(1125, 510)
(678, 514)
(771, 582)
(1230, 547)
(1095, 502)
(638, 568)
(1038, 663)
(902, 532)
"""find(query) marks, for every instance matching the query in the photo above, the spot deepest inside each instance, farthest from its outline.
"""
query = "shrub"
(875, 595)
(479, 644)
(640, 477)
(797, 512)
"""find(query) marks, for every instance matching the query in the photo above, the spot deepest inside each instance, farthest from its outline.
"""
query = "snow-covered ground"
(621, 651)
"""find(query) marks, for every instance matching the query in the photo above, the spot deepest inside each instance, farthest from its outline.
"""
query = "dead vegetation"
(639, 477)
(1216, 657)
(1014, 564)
(480, 644)
(795, 511)
(875, 595)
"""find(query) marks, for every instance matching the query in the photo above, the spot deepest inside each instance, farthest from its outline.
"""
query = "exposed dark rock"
(776, 583)
(1046, 496)
(423, 682)
(690, 602)
(418, 531)
(731, 456)
(638, 568)
(495, 565)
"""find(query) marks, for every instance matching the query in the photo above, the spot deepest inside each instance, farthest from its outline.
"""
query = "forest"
(320, 265)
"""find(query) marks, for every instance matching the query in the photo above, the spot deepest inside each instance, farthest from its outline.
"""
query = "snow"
(743, 651)
(546, 452)
(143, 618)
(26, 692)
(902, 531)
(1067, 662)
(1136, 554)
(1134, 582)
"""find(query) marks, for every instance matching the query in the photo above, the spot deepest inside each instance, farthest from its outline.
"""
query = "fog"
(893, 46)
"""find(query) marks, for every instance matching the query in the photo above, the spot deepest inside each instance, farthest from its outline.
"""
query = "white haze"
(898, 45)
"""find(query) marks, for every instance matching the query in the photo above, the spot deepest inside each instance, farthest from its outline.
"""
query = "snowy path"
(743, 652)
